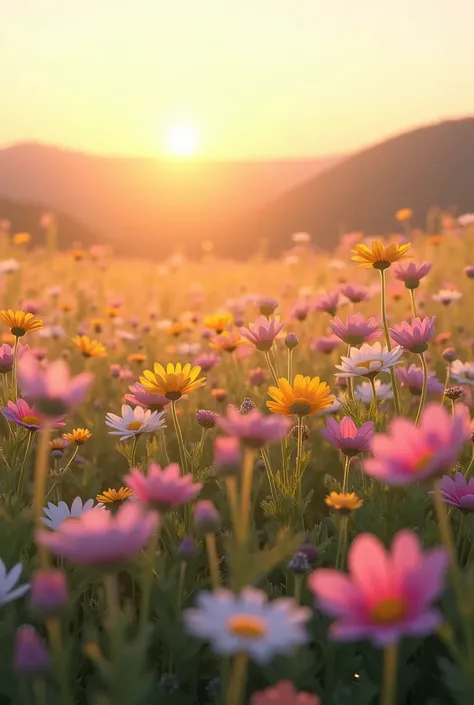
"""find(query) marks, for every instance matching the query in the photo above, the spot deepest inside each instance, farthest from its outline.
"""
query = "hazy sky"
(256, 78)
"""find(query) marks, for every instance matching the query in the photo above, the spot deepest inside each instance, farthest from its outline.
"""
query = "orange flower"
(403, 214)
(20, 322)
(21, 238)
(380, 257)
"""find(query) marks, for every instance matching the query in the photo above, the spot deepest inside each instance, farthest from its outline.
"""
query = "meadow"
(239, 483)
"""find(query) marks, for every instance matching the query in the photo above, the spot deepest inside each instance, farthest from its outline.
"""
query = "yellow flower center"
(31, 420)
(134, 425)
(389, 610)
(247, 626)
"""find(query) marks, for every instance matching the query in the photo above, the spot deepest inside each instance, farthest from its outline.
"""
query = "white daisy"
(188, 349)
(8, 266)
(301, 238)
(54, 332)
(369, 360)
(466, 219)
(383, 391)
(248, 623)
(333, 409)
(54, 291)
(447, 296)
(135, 421)
(462, 372)
(57, 513)
(8, 580)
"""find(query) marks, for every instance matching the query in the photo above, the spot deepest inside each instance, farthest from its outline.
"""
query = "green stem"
(19, 489)
(15, 369)
(39, 690)
(53, 627)
(342, 544)
(238, 678)
(299, 458)
(423, 389)
(446, 382)
(112, 600)
(41, 473)
(232, 498)
(179, 436)
(148, 580)
(246, 493)
(389, 687)
(447, 540)
(346, 473)
(71, 459)
(213, 560)
(413, 302)
(165, 448)
(182, 575)
(271, 367)
(298, 587)
(396, 400)
(271, 480)
(466, 474)
(290, 365)
(133, 454)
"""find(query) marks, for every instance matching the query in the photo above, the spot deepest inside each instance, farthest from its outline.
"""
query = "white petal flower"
(8, 580)
(55, 332)
(462, 372)
(383, 391)
(248, 623)
(135, 421)
(447, 296)
(8, 266)
(369, 360)
(57, 513)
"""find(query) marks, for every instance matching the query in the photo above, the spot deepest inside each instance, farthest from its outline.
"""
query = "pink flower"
(356, 330)
(355, 293)
(458, 491)
(387, 594)
(325, 344)
(414, 336)
(51, 388)
(101, 537)
(140, 397)
(163, 487)
(283, 693)
(327, 302)
(6, 358)
(409, 453)
(300, 310)
(254, 429)
(412, 377)
(262, 333)
(411, 272)
(206, 361)
(25, 415)
(227, 454)
(347, 437)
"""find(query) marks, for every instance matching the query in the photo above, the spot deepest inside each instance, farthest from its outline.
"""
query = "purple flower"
(300, 310)
(7, 356)
(325, 344)
(163, 488)
(267, 305)
(327, 302)
(28, 416)
(206, 418)
(51, 388)
(254, 429)
(206, 516)
(414, 336)
(347, 437)
(458, 491)
(206, 361)
(411, 272)
(412, 377)
(469, 271)
(31, 656)
(262, 333)
(291, 341)
(140, 397)
(100, 537)
(409, 453)
(356, 330)
(49, 592)
(355, 293)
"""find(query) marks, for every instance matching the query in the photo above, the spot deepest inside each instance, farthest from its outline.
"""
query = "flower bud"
(227, 455)
(31, 658)
(450, 355)
(49, 592)
(206, 517)
(291, 341)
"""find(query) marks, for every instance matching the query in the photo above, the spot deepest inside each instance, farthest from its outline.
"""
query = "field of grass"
(243, 542)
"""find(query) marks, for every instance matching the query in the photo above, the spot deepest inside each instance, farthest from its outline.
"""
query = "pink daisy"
(163, 487)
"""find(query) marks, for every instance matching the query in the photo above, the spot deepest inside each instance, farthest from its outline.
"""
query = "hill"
(429, 166)
(146, 205)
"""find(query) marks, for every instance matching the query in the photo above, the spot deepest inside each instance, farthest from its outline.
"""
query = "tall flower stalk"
(423, 389)
(383, 292)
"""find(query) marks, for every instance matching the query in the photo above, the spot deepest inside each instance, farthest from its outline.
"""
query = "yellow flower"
(136, 357)
(228, 341)
(219, 322)
(20, 322)
(177, 328)
(21, 238)
(403, 214)
(109, 496)
(78, 436)
(219, 394)
(304, 397)
(58, 444)
(89, 348)
(380, 257)
(112, 311)
(343, 502)
(97, 324)
(174, 381)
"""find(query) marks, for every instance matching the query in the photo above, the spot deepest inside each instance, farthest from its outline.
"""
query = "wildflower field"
(240, 483)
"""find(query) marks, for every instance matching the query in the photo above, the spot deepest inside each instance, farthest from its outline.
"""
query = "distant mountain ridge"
(145, 205)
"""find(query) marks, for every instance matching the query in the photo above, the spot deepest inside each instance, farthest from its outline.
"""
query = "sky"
(253, 78)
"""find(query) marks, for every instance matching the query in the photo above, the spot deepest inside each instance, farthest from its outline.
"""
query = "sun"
(182, 141)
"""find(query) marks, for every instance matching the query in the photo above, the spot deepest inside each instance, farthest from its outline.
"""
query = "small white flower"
(383, 391)
(54, 291)
(462, 372)
(248, 623)
(57, 513)
(164, 324)
(369, 360)
(135, 421)
(466, 219)
(447, 296)
(8, 266)
(188, 348)
(8, 580)
(54, 332)
(126, 335)
(301, 238)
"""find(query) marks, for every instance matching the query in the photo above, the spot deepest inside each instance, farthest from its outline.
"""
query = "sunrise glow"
(182, 141)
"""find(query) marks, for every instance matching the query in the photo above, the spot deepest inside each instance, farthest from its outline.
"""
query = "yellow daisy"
(219, 322)
(89, 348)
(380, 257)
(304, 397)
(20, 322)
(78, 436)
(174, 381)
(136, 357)
(403, 214)
(112, 311)
(21, 238)
(228, 341)
(177, 328)
(109, 496)
(343, 502)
